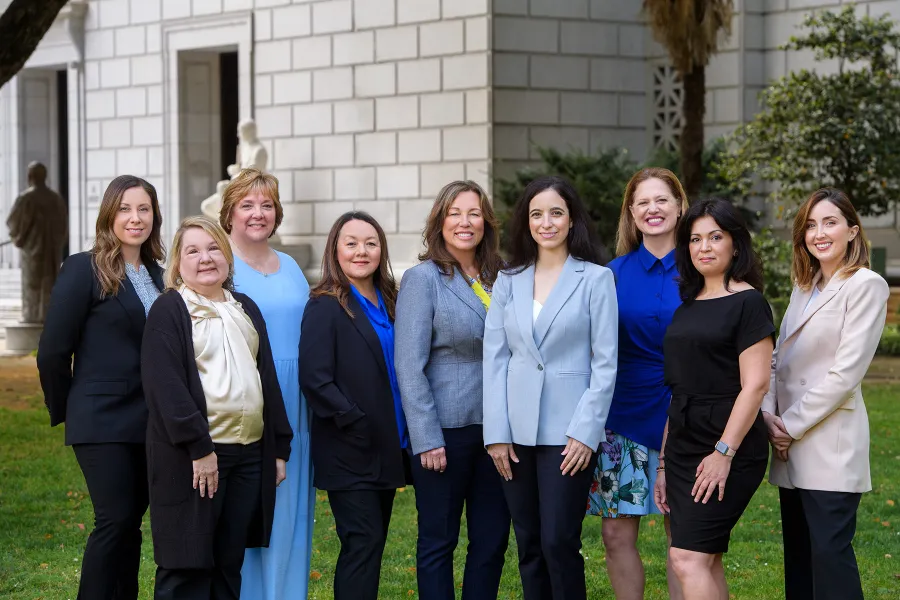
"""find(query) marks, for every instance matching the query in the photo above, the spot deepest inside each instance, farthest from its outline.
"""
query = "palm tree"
(689, 31)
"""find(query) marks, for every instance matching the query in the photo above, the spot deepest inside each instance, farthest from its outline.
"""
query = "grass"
(45, 517)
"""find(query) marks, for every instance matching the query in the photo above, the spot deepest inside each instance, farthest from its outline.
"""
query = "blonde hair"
(247, 181)
(108, 264)
(804, 265)
(215, 231)
(628, 236)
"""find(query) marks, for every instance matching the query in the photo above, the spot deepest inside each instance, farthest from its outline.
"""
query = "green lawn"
(45, 516)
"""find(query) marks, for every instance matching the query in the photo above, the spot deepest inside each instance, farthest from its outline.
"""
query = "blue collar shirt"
(647, 293)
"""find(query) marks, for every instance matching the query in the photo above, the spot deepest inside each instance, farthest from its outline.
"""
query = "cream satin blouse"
(225, 348)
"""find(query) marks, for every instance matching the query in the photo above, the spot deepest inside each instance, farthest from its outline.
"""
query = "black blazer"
(354, 439)
(99, 397)
(183, 523)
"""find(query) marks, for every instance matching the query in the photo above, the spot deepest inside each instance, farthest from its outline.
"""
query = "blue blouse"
(647, 292)
(384, 328)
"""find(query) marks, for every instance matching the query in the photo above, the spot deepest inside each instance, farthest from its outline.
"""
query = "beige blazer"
(819, 362)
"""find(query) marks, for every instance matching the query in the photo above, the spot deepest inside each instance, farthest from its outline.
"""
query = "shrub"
(889, 345)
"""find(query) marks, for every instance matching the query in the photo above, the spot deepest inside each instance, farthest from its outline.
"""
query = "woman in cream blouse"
(218, 435)
(814, 410)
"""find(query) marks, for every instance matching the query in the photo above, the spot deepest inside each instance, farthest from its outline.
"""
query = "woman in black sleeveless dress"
(717, 354)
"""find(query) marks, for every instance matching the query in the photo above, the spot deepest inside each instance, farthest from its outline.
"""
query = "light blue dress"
(282, 570)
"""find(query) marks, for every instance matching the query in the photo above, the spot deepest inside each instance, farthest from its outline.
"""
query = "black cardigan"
(182, 522)
(353, 430)
(98, 396)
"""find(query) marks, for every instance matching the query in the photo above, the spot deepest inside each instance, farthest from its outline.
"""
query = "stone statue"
(38, 225)
(212, 206)
(250, 152)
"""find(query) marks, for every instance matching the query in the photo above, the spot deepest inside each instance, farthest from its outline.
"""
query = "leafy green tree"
(839, 128)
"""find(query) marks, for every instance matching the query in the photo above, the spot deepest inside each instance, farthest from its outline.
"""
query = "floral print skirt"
(623, 479)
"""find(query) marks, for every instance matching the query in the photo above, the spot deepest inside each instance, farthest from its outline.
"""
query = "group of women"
(223, 391)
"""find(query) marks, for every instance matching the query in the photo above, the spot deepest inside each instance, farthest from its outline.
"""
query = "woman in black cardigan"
(218, 436)
(97, 313)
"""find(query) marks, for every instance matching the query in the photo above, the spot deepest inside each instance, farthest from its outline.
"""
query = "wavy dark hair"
(335, 284)
(745, 265)
(582, 241)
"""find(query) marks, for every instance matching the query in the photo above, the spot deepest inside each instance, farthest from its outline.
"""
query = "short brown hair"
(215, 231)
(247, 181)
(487, 253)
(628, 236)
(804, 265)
(334, 282)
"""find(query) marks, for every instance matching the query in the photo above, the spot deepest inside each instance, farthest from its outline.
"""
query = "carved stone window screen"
(668, 99)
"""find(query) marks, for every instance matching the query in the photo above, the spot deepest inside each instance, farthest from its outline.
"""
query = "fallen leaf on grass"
(888, 556)
(890, 502)
(651, 522)
(315, 575)
(886, 523)
(48, 536)
(81, 526)
(44, 565)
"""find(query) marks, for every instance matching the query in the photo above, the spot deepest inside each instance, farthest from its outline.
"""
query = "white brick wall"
(561, 70)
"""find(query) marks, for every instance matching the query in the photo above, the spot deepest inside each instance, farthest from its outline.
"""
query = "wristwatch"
(723, 448)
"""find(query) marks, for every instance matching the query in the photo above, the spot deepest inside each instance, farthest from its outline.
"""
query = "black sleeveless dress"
(701, 350)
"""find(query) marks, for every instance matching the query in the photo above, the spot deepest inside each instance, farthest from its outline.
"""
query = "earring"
(735, 252)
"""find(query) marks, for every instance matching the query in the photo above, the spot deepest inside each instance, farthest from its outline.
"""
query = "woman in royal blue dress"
(251, 212)
(647, 292)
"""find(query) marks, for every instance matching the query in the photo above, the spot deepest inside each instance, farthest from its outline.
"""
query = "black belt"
(680, 402)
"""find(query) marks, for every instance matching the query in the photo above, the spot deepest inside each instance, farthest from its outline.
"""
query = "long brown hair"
(109, 266)
(335, 284)
(804, 265)
(628, 236)
(216, 232)
(487, 253)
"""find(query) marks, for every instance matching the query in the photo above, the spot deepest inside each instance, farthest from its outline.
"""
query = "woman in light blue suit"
(550, 352)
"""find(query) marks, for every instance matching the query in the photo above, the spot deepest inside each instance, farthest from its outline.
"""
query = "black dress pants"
(235, 505)
(116, 476)
(470, 480)
(547, 511)
(818, 529)
(361, 518)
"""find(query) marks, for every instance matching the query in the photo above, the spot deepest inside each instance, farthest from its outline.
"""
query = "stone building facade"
(362, 104)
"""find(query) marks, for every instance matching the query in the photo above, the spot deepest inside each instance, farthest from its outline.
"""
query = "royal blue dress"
(282, 570)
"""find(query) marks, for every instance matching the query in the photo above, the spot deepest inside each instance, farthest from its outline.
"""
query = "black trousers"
(361, 518)
(116, 476)
(547, 511)
(470, 479)
(234, 505)
(818, 529)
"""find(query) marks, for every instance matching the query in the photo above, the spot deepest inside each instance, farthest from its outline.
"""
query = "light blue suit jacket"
(552, 379)
(437, 354)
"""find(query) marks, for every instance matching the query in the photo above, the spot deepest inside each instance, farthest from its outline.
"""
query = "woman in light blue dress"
(251, 211)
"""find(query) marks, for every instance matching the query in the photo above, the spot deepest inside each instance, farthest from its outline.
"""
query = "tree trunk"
(22, 27)
(691, 142)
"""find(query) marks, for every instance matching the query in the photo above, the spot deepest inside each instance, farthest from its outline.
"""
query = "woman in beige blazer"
(814, 410)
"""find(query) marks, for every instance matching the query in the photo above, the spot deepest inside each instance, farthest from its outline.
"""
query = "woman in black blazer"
(357, 431)
(97, 313)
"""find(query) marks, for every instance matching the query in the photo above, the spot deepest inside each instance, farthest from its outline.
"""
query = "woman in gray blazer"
(550, 351)
(439, 328)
